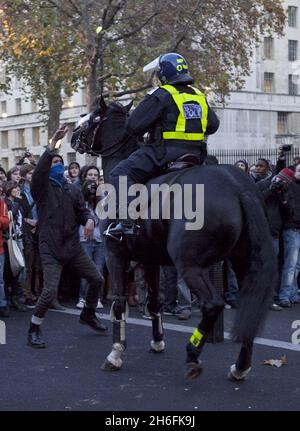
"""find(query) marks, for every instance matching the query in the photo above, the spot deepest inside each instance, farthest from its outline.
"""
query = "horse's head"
(102, 130)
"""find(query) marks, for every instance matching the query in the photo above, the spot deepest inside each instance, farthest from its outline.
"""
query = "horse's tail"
(259, 276)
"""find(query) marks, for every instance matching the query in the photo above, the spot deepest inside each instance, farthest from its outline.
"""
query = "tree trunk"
(92, 94)
(55, 104)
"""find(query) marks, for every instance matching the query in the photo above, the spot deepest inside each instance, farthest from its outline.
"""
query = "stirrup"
(113, 236)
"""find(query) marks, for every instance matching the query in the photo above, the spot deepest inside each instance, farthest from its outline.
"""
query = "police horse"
(234, 227)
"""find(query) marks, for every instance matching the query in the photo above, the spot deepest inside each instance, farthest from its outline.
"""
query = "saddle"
(188, 160)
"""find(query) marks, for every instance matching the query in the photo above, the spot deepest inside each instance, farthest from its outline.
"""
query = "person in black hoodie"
(273, 189)
(288, 293)
(61, 210)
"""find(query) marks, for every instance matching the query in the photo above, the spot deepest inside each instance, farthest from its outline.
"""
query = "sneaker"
(30, 303)
(171, 312)
(99, 304)
(275, 307)
(185, 314)
(55, 305)
(16, 305)
(231, 303)
(81, 303)
(4, 311)
(285, 304)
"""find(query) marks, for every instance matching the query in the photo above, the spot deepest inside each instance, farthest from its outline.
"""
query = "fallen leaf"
(276, 362)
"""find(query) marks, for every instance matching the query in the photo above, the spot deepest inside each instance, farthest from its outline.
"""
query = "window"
(269, 86)
(268, 48)
(292, 13)
(282, 123)
(21, 138)
(34, 106)
(84, 96)
(2, 73)
(71, 157)
(293, 50)
(18, 106)
(4, 139)
(4, 163)
(36, 136)
(293, 84)
(3, 109)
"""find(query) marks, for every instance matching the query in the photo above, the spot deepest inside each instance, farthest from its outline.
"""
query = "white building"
(263, 115)
(22, 128)
(267, 112)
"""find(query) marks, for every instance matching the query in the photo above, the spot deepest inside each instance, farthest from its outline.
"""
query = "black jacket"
(292, 207)
(60, 212)
(158, 109)
(273, 206)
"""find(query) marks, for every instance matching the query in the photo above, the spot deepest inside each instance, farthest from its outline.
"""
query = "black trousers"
(149, 162)
(52, 269)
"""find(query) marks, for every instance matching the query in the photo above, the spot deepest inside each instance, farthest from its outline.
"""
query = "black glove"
(276, 185)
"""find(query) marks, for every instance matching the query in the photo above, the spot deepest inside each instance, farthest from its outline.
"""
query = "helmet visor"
(152, 66)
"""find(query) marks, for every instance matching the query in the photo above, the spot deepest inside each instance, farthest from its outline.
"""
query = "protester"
(288, 293)
(92, 246)
(73, 172)
(4, 222)
(60, 210)
(30, 238)
(11, 281)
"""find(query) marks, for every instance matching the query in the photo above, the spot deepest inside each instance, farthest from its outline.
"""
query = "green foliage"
(103, 45)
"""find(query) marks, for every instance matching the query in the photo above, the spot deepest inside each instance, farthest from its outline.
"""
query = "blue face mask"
(57, 174)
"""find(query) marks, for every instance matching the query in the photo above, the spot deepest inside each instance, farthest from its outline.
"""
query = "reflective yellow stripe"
(196, 338)
(180, 99)
(184, 136)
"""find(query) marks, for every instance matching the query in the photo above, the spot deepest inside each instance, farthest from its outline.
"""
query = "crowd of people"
(279, 186)
(18, 208)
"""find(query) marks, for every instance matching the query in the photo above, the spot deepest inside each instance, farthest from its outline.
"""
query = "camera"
(286, 148)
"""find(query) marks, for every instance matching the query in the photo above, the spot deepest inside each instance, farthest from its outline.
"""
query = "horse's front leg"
(113, 361)
(117, 264)
(153, 308)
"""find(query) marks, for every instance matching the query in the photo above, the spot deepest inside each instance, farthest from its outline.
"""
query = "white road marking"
(190, 329)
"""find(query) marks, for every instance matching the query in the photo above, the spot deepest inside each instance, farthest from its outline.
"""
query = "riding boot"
(88, 317)
(35, 338)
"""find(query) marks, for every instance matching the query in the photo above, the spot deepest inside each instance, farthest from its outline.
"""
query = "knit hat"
(286, 175)
(25, 169)
(245, 163)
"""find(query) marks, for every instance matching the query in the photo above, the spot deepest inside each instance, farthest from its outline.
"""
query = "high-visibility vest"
(199, 112)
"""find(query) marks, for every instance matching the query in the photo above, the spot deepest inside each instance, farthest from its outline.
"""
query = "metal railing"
(232, 155)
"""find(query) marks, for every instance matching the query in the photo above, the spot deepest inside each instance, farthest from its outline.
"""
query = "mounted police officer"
(176, 116)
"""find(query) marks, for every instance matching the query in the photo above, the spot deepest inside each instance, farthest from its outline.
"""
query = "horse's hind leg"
(197, 280)
(242, 367)
(153, 308)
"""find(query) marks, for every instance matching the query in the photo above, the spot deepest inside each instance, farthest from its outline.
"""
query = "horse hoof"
(193, 370)
(237, 375)
(157, 346)
(108, 366)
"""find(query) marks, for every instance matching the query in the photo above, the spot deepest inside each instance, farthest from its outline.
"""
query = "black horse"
(234, 227)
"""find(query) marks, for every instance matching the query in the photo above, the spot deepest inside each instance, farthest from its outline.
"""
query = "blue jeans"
(230, 293)
(175, 290)
(3, 302)
(291, 266)
(95, 251)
